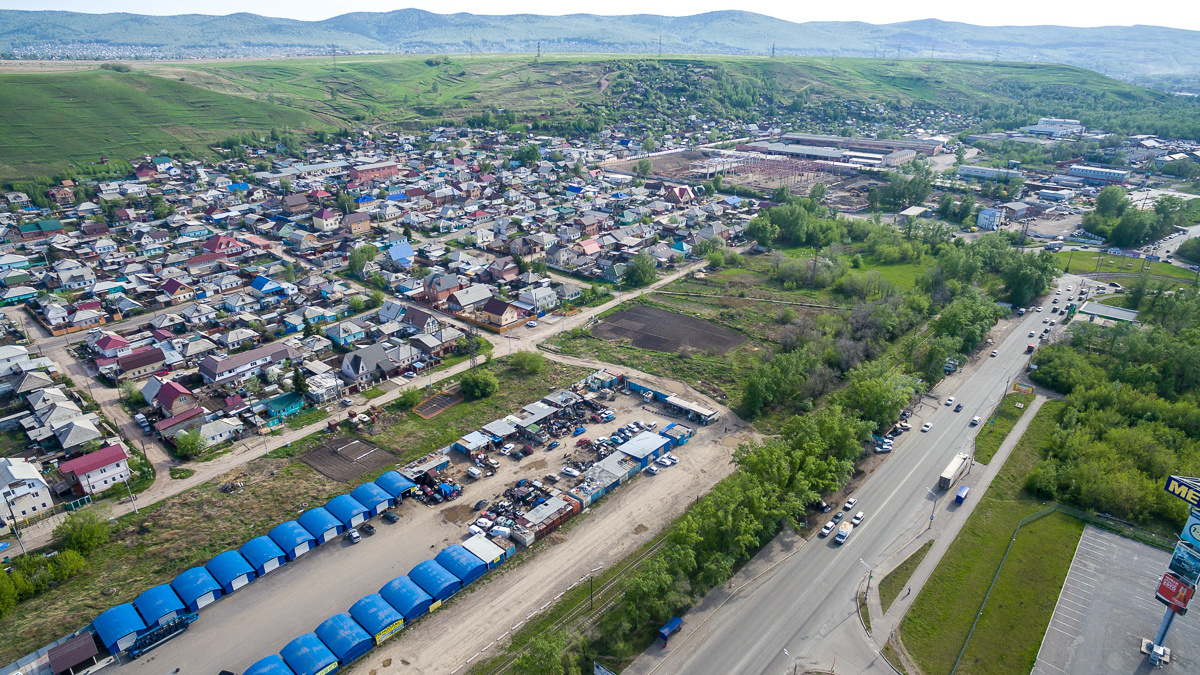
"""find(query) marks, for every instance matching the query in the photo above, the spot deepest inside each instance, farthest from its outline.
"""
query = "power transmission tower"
(473, 344)
(539, 54)
(772, 50)
(660, 46)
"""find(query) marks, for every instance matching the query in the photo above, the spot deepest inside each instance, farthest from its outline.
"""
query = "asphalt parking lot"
(1107, 606)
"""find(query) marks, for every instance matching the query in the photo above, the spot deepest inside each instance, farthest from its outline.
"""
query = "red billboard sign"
(1174, 593)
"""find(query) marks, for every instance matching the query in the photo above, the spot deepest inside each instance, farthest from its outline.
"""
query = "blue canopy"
(406, 597)
(320, 524)
(230, 570)
(158, 605)
(373, 497)
(436, 580)
(364, 199)
(394, 484)
(292, 538)
(307, 655)
(377, 617)
(272, 665)
(118, 627)
(344, 637)
(196, 587)
(263, 554)
(397, 197)
(461, 563)
(347, 510)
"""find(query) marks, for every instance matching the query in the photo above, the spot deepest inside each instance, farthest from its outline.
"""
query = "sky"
(1172, 13)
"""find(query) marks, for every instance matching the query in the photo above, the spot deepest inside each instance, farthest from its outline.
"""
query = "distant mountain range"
(1163, 57)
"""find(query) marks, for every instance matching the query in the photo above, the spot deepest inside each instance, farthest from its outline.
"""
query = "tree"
(345, 202)
(357, 304)
(547, 654)
(478, 383)
(878, 392)
(376, 298)
(82, 531)
(190, 443)
(131, 393)
(299, 382)
(285, 185)
(817, 192)
(762, 230)
(529, 154)
(649, 144)
(640, 271)
(643, 167)
(781, 194)
(1111, 202)
(360, 256)
(530, 363)
(409, 399)
(1028, 275)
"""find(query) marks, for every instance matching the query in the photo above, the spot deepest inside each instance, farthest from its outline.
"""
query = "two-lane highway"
(806, 605)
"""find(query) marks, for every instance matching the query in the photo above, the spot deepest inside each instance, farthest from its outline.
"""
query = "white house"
(97, 471)
(22, 488)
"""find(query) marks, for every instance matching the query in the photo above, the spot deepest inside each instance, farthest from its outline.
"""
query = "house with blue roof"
(402, 254)
(346, 333)
(266, 289)
(283, 407)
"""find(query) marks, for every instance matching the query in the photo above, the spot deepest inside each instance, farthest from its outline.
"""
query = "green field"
(994, 429)
(1091, 261)
(894, 582)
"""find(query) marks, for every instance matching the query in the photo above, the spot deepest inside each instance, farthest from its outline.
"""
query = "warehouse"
(292, 539)
(373, 497)
(461, 563)
(158, 605)
(986, 173)
(406, 597)
(118, 627)
(435, 580)
(547, 516)
(645, 447)
(473, 442)
(1097, 175)
(320, 524)
(307, 655)
(263, 554)
(272, 665)
(693, 410)
(344, 637)
(230, 570)
(76, 654)
(347, 510)
(395, 485)
(481, 547)
(677, 433)
(196, 588)
(377, 617)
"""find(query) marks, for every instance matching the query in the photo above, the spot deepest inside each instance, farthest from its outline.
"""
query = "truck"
(954, 470)
(843, 534)
(1030, 347)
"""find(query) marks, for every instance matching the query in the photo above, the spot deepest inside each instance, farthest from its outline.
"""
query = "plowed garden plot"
(663, 331)
(436, 404)
(344, 459)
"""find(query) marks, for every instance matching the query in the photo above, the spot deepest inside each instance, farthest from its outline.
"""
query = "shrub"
(478, 383)
(81, 531)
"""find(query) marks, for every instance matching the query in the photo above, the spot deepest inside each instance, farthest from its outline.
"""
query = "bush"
(478, 383)
(530, 363)
(81, 531)
(409, 399)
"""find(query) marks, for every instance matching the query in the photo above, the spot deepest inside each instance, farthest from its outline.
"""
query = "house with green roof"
(41, 229)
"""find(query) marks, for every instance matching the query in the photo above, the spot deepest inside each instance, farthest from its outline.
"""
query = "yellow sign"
(435, 605)
(327, 669)
(1023, 388)
(1187, 491)
(388, 632)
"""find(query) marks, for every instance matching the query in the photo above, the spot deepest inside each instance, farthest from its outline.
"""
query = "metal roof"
(155, 603)
(395, 484)
(406, 597)
(345, 508)
(272, 665)
(307, 655)
(375, 614)
(259, 550)
(193, 583)
(227, 566)
(290, 534)
(461, 563)
(344, 637)
(370, 495)
(117, 622)
(318, 521)
(436, 580)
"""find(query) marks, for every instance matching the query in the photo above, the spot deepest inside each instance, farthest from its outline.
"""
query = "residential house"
(324, 388)
(368, 364)
(499, 313)
(139, 365)
(469, 298)
(421, 321)
(111, 345)
(326, 220)
(537, 299)
(295, 204)
(357, 223)
(220, 430)
(77, 433)
(390, 311)
(198, 314)
(438, 344)
(23, 489)
(438, 287)
(283, 407)
(176, 292)
(97, 471)
(346, 333)
(237, 338)
(239, 367)
(568, 292)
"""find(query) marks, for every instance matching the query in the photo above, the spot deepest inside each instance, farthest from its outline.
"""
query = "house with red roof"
(174, 398)
(223, 243)
(175, 292)
(111, 345)
(96, 471)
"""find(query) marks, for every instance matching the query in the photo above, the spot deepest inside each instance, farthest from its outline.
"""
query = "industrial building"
(925, 147)
(968, 171)
(292, 539)
(118, 627)
(263, 554)
(377, 617)
(1098, 176)
(1054, 127)
(829, 154)
(989, 219)
(344, 637)
(230, 570)
(196, 588)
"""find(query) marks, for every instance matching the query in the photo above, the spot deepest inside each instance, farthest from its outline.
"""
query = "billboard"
(1191, 531)
(1153, 258)
(1186, 563)
(1174, 593)
(1185, 489)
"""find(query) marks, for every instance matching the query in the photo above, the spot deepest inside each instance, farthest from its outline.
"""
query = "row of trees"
(1122, 224)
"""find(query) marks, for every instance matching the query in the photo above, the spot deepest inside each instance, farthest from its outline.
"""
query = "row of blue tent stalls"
(344, 638)
(121, 627)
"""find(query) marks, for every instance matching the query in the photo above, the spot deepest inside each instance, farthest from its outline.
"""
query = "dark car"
(553, 445)
(958, 408)
(480, 505)
(837, 517)
(905, 415)
(550, 478)
(389, 517)
(367, 529)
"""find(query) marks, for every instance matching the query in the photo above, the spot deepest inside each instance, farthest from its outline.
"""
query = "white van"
(501, 531)
(474, 472)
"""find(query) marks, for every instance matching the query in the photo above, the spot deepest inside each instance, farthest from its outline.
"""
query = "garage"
(320, 524)
(461, 563)
(483, 548)
(307, 655)
(118, 627)
(272, 665)
(230, 570)
(347, 510)
(263, 554)
(406, 597)
(377, 617)
(435, 580)
(292, 539)
(373, 497)
(345, 638)
(158, 605)
(196, 588)
(395, 485)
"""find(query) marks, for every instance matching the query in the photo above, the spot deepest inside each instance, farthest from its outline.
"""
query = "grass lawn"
(994, 430)
(373, 392)
(1092, 261)
(307, 417)
(179, 473)
(890, 587)
(936, 626)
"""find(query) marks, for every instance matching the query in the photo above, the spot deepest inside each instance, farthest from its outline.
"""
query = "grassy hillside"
(55, 120)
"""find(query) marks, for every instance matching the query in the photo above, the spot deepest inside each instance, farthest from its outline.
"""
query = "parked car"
(652, 470)
(353, 535)
(827, 529)
(508, 447)
(347, 401)
(480, 505)
(553, 445)
(531, 324)
(850, 503)
(927, 426)
(389, 517)
(579, 431)
(663, 461)
(570, 471)
(858, 518)
(367, 529)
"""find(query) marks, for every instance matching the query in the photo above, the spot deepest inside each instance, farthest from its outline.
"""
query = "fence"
(26, 521)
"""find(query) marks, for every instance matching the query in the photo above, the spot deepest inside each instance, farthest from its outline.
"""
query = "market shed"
(406, 597)
(196, 588)
(78, 652)
(272, 665)
(461, 563)
(347, 510)
(345, 638)
(292, 539)
(484, 549)
(263, 554)
(377, 617)
(395, 485)
(373, 497)
(321, 524)
(159, 605)
(307, 655)
(435, 580)
(230, 570)
(118, 627)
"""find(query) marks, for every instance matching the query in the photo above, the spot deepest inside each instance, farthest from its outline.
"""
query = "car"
(1047, 320)
(475, 529)
(837, 517)
(827, 529)
(570, 471)
(1058, 292)
(353, 535)
(651, 426)
(850, 503)
(975, 421)
(1053, 322)
(485, 523)
(1055, 301)
(858, 518)
(161, 373)
(583, 441)
(1032, 334)
(1068, 289)
(367, 529)
(1046, 330)
(531, 324)
(671, 457)
(1039, 309)
(905, 414)
(553, 445)
(507, 448)
(662, 461)
(904, 426)
(652, 470)
(825, 508)
(389, 517)
(927, 426)
(550, 478)
(950, 401)
(347, 402)
(528, 450)
(958, 408)
(579, 431)
(994, 353)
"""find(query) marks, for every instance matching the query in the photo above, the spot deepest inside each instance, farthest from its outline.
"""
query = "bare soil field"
(662, 331)
(345, 459)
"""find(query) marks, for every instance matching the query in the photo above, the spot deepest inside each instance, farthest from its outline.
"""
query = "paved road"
(806, 605)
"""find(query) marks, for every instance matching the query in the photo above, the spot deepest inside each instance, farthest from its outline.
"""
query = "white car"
(652, 470)
(950, 401)
(927, 426)
(850, 503)
(1058, 292)
(671, 457)
(858, 518)
(975, 421)
(1032, 334)
(1039, 309)
(1068, 289)
(570, 471)
(994, 352)
(531, 324)
(827, 529)
(508, 447)
(662, 461)
(484, 524)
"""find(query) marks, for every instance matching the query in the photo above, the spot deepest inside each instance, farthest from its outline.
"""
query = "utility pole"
(13, 526)
(772, 50)
(132, 499)
(539, 52)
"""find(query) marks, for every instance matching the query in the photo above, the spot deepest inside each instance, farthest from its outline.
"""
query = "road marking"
(514, 628)
(487, 647)
(1070, 635)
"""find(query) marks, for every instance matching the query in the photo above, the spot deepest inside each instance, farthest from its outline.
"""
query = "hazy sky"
(1174, 13)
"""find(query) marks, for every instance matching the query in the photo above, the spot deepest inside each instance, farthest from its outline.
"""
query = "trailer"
(670, 627)
(954, 470)
(961, 496)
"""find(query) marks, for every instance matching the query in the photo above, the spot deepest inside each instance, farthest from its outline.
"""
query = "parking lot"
(1107, 606)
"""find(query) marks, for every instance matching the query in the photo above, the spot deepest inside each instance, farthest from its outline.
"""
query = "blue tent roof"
(435, 579)
(394, 484)
(376, 616)
(260, 550)
(364, 199)
(461, 563)
(317, 521)
(237, 186)
(272, 665)
(289, 535)
(406, 597)
(155, 603)
(307, 655)
(116, 623)
(345, 508)
(344, 637)
(397, 197)
(370, 494)
(228, 566)
(193, 583)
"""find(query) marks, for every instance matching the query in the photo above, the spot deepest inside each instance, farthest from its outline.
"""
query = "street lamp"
(13, 526)
(870, 573)
(934, 510)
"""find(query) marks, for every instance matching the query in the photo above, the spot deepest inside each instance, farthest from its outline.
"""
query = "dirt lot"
(662, 331)
(436, 404)
(346, 459)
